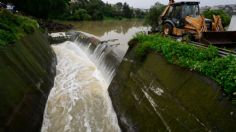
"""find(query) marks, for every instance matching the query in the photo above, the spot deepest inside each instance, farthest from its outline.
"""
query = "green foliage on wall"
(203, 60)
(13, 27)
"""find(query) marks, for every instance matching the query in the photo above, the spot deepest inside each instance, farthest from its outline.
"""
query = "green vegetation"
(40, 8)
(97, 10)
(13, 27)
(203, 60)
(225, 17)
(79, 14)
(153, 16)
(78, 10)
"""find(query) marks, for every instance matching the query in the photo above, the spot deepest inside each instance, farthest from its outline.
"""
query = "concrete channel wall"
(27, 71)
(154, 95)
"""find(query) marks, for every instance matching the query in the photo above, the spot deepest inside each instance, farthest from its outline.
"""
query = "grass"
(13, 27)
(203, 60)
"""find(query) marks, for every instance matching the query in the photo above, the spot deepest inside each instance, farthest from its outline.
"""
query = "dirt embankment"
(52, 26)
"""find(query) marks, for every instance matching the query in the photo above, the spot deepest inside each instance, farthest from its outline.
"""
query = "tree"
(79, 15)
(153, 16)
(78, 10)
(95, 9)
(109, 10)
(118, 10)
(119, 6)
(40, 8)
(224, 16)
(138, 13)
(127, 12)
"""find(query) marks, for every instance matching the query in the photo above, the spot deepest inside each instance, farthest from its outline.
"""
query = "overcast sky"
(147, 3)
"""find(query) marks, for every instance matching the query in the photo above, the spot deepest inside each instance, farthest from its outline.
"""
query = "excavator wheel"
(167, 29)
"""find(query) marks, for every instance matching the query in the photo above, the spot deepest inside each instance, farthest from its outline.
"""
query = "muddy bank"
(156, 96)
(52, 26)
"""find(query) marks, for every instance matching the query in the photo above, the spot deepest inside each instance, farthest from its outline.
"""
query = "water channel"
(79, 101)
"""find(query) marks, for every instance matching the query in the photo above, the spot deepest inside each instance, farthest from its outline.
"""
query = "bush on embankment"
(204, 60)
(13, 27)
(225, 17)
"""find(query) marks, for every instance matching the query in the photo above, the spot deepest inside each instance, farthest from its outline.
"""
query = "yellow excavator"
(184, 19)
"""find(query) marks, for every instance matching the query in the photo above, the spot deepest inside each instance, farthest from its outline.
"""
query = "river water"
(79, 101)
(120, 31)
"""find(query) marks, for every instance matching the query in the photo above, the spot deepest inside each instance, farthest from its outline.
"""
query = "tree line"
(40, 8)
(77, 10)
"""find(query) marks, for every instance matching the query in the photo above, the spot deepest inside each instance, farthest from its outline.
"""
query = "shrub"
(203, 60)
(152, 18)
(224, 16)
(13, 27)
(80, 15)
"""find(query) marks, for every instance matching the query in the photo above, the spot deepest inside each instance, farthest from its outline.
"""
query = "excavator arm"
(167, 8)
(217, 24)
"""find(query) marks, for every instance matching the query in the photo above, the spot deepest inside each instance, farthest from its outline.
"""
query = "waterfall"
(105, 64)
(79, 100)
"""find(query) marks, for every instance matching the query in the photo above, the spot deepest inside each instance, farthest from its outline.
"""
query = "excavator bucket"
(219, 39)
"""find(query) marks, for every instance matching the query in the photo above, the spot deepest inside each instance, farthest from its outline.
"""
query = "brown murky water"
(122, 31)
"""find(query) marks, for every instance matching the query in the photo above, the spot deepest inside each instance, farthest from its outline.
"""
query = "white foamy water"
(79, 100)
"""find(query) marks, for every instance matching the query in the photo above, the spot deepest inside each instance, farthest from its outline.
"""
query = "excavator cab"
(179, 15)
(178, 11)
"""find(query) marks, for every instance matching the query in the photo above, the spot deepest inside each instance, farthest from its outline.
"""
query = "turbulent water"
(79, 101)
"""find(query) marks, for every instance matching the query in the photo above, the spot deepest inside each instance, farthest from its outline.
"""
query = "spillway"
(79, 101)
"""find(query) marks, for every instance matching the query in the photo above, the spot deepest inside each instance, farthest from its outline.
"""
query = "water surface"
(122, 31)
